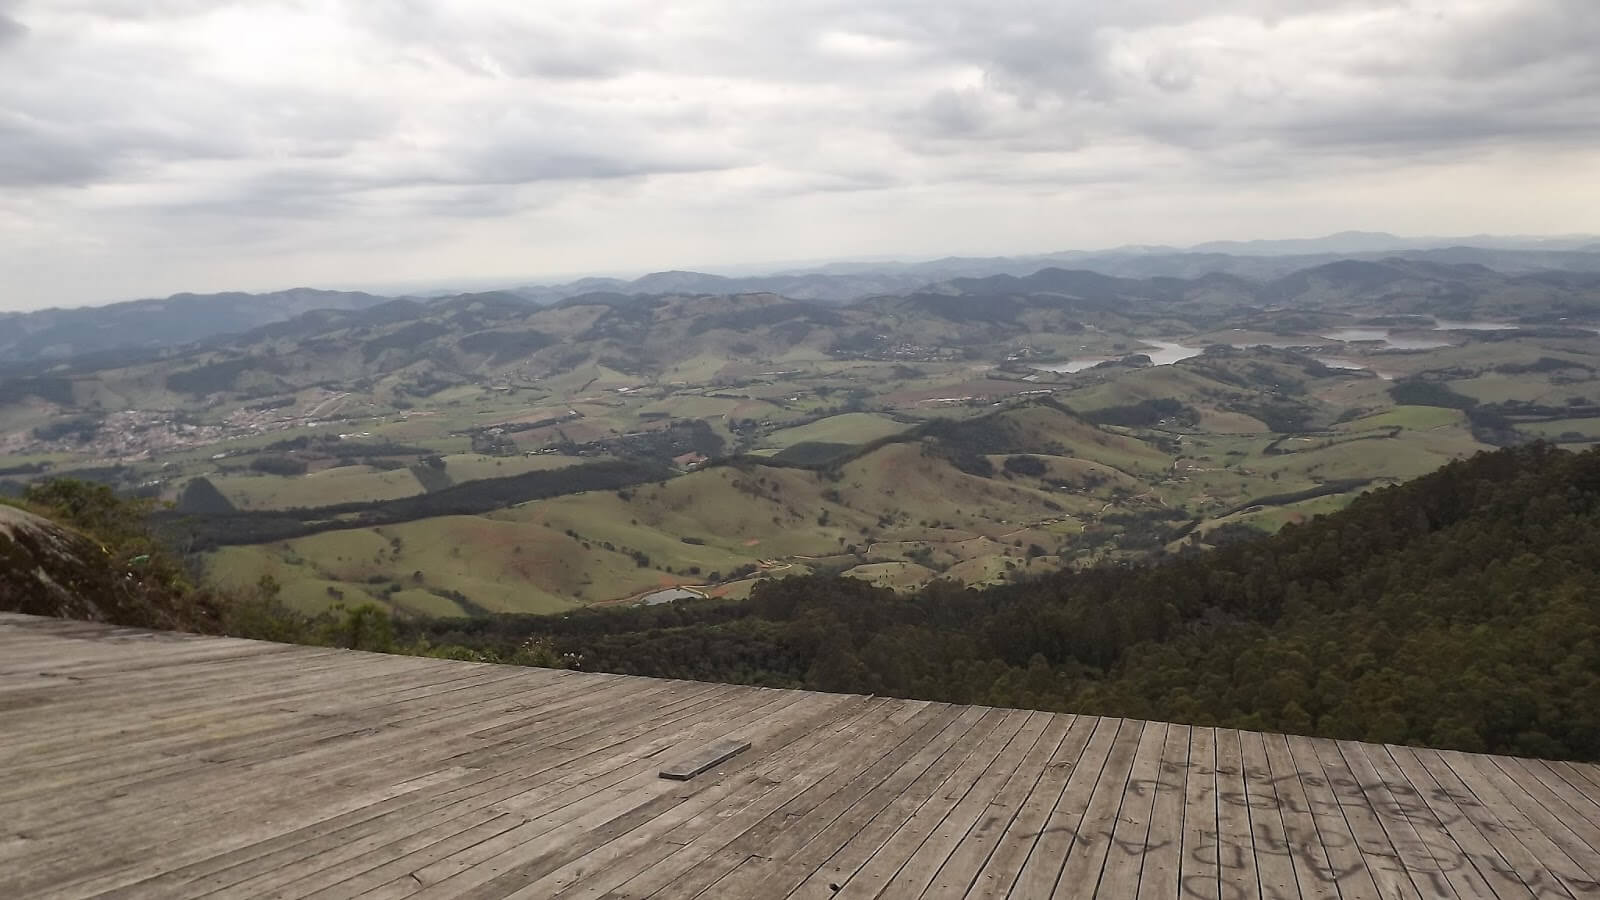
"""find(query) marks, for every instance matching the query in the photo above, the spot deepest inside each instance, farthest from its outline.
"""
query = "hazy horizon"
(471, 283)
(160, 146)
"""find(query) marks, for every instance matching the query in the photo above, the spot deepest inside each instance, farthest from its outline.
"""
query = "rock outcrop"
(47, 569)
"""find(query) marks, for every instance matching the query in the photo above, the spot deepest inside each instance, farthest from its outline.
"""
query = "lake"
(667, 596)
(1165, 353)
(1344, 362)
(1456, 325)
(1387, 337)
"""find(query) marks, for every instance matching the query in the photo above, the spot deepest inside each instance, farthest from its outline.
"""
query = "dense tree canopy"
(1458, 610)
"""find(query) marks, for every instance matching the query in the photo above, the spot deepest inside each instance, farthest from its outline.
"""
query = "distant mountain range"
(412, 348)
(1346, 242)
(99, 335)
(832, 288)
(1261, 260)
(144, 325)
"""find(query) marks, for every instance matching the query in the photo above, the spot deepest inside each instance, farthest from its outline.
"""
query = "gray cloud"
(1182, 74)
(30, 156)
(499, 43)
(11, 29)
(130, 10)
(249, 125)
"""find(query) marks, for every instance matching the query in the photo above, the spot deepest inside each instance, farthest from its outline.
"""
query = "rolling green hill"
(937, 496)
(1024, 489)
(983, 430)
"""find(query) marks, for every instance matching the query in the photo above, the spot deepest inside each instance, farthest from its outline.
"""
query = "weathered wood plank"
(1583, 780)
(326, 863)
(1041, 869)
(963, 869)
(199, 766)
(1349, 868)
(1163, 859)
(885, 865)
(366, 845)
(1004, 866)
(1378, 855)
(973, 727)
(122, 739)
(1542, 867)
(1431, 836)
(1093, 836)
(1511, 804)
(511, 866)
(1478, 848)
(194, 848)
(1567, 806)
(1393, 819)
(1199, 873)
(1304, 842)
(703, 760)
(1273, 850)
(1236, 856)
(804, 846)
(1585, 777)
(805, 716)
(1130, 831)
(777, 835)
(958, 846)
(228, 763)
(683, 838)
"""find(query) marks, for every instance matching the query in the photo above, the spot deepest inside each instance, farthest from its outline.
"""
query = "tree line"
(1458, 610)
(198, 531)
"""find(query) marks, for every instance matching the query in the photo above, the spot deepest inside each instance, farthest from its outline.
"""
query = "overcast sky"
(153, 146)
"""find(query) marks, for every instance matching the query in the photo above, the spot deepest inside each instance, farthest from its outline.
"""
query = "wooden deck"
(135, 764)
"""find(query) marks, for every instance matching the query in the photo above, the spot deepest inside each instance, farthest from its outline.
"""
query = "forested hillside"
(1461, 609)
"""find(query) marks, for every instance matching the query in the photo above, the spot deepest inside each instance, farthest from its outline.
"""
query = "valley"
(481, 453)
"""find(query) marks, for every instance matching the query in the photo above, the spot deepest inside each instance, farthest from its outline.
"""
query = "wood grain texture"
(704, 760)
(145, 765)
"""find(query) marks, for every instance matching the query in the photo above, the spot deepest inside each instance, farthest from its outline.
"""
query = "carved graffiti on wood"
(1414, 844)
